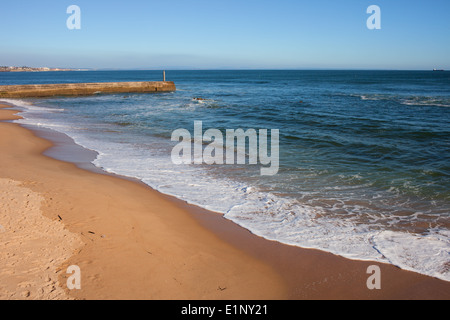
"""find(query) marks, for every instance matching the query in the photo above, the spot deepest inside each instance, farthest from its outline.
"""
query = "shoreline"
(212, 258)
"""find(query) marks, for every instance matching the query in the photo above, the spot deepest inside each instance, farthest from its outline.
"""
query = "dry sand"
(32, 246)
(132, 242)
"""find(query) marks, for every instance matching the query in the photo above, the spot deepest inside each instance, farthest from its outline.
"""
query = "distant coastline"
(30, 69)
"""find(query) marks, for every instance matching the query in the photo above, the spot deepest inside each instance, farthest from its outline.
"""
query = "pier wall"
(80, 89)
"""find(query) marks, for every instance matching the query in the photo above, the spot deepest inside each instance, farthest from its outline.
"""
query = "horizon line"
(236, 69)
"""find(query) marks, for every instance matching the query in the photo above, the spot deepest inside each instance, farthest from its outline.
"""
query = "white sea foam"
(270, 216)
(28, 106)
(427, 254)
(408, 101)
(424, 103)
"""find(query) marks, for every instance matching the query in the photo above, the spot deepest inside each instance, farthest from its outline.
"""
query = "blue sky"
(210, 34)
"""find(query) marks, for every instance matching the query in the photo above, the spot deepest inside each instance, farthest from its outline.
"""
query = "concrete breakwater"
(80, 89)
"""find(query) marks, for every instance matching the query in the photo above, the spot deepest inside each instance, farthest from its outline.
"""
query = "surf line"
(233, 151)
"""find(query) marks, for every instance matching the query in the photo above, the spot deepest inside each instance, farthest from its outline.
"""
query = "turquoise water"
(364, 155)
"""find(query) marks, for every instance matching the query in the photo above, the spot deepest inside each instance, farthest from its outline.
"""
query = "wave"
(407, 100)
(28, 106)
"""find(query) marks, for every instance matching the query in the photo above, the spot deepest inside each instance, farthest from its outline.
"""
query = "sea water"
(364, 155)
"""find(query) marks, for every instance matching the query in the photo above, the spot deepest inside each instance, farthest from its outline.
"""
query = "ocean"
(364, 156)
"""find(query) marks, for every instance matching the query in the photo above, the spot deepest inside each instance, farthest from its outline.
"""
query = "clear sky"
(211, 34)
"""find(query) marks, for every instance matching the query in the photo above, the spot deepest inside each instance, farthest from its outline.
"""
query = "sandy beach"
(131, 242)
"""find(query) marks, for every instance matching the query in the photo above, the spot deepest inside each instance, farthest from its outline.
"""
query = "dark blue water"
(364, 155)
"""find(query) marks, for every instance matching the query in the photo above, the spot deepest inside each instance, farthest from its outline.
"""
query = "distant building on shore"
(30, 69)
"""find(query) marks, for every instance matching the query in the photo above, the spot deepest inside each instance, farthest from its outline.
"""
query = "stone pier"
(83, 89)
